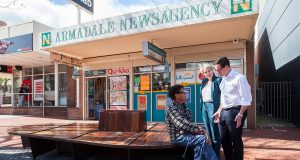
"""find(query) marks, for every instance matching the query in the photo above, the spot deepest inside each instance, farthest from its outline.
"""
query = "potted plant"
(3, 83)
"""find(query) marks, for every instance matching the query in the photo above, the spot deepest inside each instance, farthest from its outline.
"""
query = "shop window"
(49, 69)
(160, 81)
(62, 68)
(49, 90)
(142, 69)
(62, 89)
(37, 70)
(27, 71)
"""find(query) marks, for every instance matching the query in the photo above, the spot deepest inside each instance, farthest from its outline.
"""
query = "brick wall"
(34, 111)
(71, 88)
(74, 112)
(250, 76)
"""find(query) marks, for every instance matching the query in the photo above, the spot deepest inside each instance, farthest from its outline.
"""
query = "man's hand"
(216, 116)
(238, 120)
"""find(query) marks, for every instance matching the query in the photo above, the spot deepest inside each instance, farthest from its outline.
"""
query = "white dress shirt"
(235, 90)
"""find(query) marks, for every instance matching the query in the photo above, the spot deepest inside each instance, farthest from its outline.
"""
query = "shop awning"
(204, 22)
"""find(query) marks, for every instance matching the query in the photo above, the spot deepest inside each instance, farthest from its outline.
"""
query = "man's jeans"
(202, 150)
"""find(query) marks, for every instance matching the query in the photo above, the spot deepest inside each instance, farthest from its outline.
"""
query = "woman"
(209, 102)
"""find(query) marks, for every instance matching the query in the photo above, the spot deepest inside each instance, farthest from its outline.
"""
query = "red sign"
(122, 70)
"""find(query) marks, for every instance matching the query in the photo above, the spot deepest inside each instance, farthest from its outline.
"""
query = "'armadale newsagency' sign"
(187, 13)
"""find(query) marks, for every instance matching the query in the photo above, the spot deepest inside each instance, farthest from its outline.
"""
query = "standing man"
(183, 132)
(235, 98)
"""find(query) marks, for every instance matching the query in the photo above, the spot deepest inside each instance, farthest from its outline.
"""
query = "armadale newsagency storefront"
(129, 61)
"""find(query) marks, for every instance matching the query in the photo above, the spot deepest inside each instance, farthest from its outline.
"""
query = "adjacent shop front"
(30, 83)
(116, 74)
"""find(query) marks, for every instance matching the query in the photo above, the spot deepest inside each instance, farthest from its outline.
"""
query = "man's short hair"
(223, 61)
(175, 89)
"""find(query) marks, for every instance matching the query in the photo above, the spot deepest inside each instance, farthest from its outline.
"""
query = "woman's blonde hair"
(206, 66)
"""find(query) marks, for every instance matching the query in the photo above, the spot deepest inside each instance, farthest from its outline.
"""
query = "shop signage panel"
(21, 43)
(153, 52)
(87, 5)
(165, 17)
(38, 90)
(91, 73)
(142, 102)
(118, 71)
(56, 57)
(6, 69)
(161, 101)
(185, 77)
(188, 95)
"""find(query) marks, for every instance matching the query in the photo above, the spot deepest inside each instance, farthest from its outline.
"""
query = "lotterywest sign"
(6, 69)
(187, 13)
(87, 5)
(153, 52)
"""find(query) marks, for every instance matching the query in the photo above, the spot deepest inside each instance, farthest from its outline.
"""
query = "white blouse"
(206, 93)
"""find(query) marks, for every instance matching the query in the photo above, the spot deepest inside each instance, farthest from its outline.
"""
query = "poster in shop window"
(118, 98)
(145, 82)
(187, 91)
(118, 83)
(142, 102)
(38, 90)
(161, 101)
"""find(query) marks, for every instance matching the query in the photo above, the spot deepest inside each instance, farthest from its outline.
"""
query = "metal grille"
(273, 99)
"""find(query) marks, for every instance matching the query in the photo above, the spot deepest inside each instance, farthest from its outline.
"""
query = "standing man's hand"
(216, 116)
(238, 120)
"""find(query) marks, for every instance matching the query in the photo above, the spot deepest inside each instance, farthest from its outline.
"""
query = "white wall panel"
(289, 20)
(288, 50)
(264, 17)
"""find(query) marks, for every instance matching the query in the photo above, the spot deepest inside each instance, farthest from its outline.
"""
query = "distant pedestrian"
(235, 99)
(21, 95)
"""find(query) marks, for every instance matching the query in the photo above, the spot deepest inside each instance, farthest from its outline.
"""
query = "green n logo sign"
(46, 39)
(240, 6)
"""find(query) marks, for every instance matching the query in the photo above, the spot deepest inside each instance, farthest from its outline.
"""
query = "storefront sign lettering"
(118, 71)
(149, 20)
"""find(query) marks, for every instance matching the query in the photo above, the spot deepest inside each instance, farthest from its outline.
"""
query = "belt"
(233, 107)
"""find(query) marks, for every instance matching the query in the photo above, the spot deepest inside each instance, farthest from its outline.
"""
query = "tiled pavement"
(271, 143)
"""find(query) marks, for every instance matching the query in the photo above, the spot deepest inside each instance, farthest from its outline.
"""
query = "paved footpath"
(271, 143)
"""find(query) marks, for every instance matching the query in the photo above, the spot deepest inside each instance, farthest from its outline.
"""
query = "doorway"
(96, 96)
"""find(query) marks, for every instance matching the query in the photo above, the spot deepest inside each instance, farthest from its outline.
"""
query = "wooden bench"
(84, 140)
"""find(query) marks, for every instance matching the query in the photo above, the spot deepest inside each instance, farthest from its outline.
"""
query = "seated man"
(181, 129)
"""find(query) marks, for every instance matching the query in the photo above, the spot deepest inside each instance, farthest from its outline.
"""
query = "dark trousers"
(231, 137)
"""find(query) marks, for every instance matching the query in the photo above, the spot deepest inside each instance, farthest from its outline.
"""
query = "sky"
(61, 13)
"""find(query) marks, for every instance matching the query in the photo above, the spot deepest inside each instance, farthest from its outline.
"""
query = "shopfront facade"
(34, 85)
(116, 75)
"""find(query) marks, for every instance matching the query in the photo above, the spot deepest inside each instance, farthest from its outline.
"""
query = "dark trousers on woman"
(208, 110)
(231, 137)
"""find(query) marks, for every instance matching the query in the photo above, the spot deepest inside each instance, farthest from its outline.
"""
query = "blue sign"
(188, 95)
(16, 44)
(87, 5)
